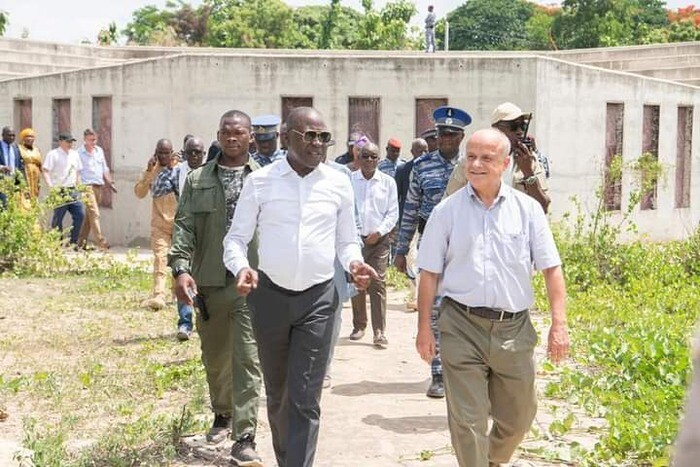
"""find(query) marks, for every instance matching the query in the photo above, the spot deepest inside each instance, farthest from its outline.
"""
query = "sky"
(72, 21)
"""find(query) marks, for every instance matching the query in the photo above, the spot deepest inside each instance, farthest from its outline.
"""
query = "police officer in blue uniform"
(266, 133)
(429, 178)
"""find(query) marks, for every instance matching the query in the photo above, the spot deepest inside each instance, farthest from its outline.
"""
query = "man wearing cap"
(61, 170)
(349, 155)
(160, 179)
(265, 130)
(94, 173)
(478, 251)
(430, 137)
(392, 161)
(427, 187)
(403, 177)
(525, 171)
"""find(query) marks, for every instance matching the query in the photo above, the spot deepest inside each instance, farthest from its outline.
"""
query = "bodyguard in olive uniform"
(229, 350)
(426, 188)
(266, 133)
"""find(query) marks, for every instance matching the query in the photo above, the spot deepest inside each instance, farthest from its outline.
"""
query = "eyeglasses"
(195, 152)
(311, 135)
(370, 156)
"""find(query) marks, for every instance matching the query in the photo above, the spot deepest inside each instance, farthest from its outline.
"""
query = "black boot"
(437, 388)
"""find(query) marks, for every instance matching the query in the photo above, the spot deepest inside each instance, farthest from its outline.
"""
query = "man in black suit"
(10, 159)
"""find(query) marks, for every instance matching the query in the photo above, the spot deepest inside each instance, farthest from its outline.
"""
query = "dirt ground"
(375, 414)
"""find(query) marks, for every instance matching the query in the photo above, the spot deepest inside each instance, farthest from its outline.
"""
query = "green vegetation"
(632, 308)
(475, 25)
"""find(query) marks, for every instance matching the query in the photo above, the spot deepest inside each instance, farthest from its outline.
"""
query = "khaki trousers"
(230, 357)
(377, 256)
(161, 238)
(488, 368)
(91, 222)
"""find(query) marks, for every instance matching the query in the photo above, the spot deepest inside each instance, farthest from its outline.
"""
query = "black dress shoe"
(437, 388)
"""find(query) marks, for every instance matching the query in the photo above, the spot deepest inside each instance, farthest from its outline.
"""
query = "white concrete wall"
(172, 96)
(571, 113)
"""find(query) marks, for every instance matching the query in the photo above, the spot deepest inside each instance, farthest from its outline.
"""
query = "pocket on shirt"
(514, 247)
(203, 199)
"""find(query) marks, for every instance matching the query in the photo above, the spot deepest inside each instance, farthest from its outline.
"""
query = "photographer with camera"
(528, 170)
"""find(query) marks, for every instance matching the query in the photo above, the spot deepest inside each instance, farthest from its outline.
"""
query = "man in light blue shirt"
(94, 174)
(479, 246)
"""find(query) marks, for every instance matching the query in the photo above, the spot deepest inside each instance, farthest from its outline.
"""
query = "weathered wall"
(571, 112)
(172, 96)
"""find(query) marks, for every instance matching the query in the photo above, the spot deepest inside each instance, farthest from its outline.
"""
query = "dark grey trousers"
(294, 332)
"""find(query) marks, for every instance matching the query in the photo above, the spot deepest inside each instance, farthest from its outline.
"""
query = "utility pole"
(447, 36)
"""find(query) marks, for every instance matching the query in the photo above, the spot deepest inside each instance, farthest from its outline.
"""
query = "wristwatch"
(177, 271)
(531, 180)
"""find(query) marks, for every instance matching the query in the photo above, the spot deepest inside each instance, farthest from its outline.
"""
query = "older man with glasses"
(528, 169)
(377, 202)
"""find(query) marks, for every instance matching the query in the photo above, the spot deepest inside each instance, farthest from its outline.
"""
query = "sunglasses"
(311, 135)
(370, 156)
(515, 125)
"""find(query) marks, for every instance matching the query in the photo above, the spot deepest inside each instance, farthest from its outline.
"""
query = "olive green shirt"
(200, 226)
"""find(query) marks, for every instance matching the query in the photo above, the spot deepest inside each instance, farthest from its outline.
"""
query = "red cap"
(394, 143)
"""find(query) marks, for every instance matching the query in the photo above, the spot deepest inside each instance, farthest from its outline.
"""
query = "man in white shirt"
(302, 211)
(478, 251)
(377, 202)
(61, 169)
(94, 173)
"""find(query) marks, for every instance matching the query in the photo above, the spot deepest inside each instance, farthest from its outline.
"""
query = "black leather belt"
(494, 314)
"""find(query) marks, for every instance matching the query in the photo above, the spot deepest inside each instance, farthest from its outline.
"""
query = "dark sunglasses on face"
(311, 135)
(515, 125)
(370, 156)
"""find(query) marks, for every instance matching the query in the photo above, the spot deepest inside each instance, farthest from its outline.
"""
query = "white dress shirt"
(183, 169)
(62, 167)
(302, 222)
(377, 201)
(486, 255)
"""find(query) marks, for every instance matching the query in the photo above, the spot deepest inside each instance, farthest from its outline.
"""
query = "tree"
(251, 23)
(604, 23)
(326, 27)
(146, 22)
(387, 29)
(108, 35)
(538, 28)
(178, 24)
(4, 21)
(685, 24)
(490, 25)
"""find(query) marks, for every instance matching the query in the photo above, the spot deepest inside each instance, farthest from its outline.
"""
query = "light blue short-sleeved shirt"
(94, 166)
(486, 255)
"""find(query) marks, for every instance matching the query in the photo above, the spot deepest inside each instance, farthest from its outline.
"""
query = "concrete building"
(584, 115)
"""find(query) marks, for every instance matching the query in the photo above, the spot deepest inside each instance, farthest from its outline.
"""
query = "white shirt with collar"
(63, 167)
(302, 222)
(377, 202)
(183, 169)
(486, 254)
